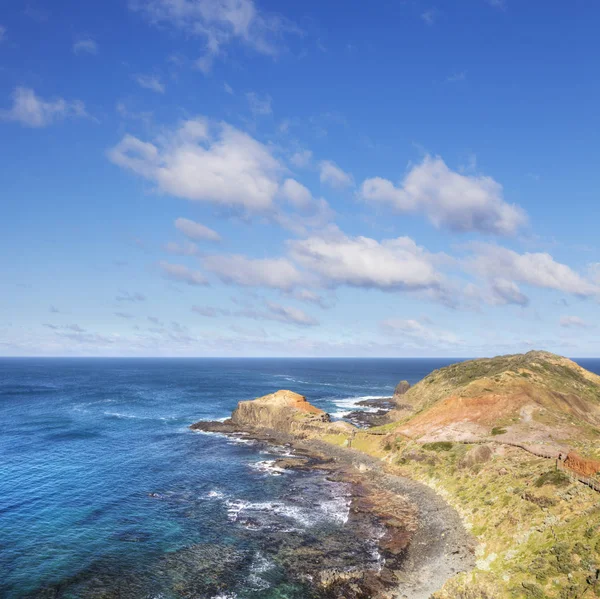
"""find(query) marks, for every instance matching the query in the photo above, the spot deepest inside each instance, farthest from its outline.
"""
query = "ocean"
(105, 492)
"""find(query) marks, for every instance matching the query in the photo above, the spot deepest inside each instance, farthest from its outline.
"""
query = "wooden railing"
(591, 481)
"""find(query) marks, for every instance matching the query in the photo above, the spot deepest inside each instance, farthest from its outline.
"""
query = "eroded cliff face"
(283, 411)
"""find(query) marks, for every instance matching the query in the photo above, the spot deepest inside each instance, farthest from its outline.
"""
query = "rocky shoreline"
(424, 541)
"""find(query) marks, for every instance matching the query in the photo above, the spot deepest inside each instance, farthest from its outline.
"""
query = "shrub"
(438, 446)
(498, 430)
(533, 590)
(553, 477)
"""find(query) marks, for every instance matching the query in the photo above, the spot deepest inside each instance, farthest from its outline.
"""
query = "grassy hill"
(537, 398)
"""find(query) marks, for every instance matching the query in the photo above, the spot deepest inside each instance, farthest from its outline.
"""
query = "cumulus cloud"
(219, 23)
(301, 159)
(392, 264)
(196, 231)
(312, 213)
(419, 333)
(85, 45)
(181, 273)
(259, 105)
(574, 322)
(200, 162)
(150, 82)
(536, 269)
(450, 200)
(275, 273)
(296, 194)
(331, 174)
(30, 110)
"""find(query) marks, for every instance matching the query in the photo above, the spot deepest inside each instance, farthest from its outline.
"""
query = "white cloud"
(31, 111)
(150, 82)
(275, 273)
(210, 311)
(279, 313)
(311, 297)
(181, 249)
(125, 315)
(196, 231)
(331, 174)
(430, 16)
(456, 77)
(85, 45)
(507, 292)
(301, 159)
(125, 296)
(217, 164)
(179, 272)
(219, 23)
(419, 333)
(574, 322)
(228, 88)
(144, 116)
(392, 264)
(536, 269)
(312, 213)
(501, 4)
(2, 33)
(259, 105)
(271, 311)
(296, 194)
(450, 200)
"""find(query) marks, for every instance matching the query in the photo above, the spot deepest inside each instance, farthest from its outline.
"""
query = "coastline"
(425, 543)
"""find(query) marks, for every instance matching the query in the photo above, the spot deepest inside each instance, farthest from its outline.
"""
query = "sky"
(259, 178)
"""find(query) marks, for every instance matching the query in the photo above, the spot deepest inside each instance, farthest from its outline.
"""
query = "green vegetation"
(553, 477)
(438, 446)
(537, 531)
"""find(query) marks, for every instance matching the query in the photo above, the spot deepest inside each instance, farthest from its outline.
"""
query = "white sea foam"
(351, 404)
(335, 510)
(260, 565)
(120, 415)
(267, 467)
(214, 494)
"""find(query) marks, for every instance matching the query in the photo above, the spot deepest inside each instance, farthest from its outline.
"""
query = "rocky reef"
(422, 540)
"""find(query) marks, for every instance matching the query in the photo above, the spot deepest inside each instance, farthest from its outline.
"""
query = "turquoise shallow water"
(103, 486)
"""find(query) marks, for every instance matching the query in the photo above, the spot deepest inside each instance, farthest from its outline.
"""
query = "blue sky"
(257, 178)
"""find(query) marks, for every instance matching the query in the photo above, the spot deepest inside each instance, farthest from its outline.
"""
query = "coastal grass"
(538, 532)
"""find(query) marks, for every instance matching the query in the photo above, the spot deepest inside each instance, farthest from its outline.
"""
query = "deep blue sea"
(105, 492)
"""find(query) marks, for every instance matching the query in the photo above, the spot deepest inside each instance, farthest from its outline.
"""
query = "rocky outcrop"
(401, 388)
(283, 411)
(476, 455)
